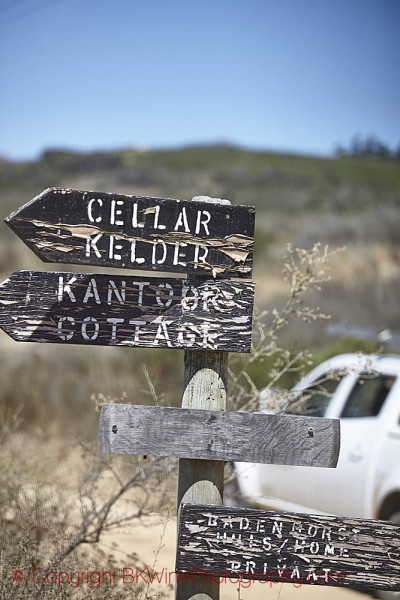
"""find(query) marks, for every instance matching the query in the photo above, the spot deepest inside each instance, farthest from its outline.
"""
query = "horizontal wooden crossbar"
(219, 435)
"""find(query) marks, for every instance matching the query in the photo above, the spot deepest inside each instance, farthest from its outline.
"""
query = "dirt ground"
(155, 540)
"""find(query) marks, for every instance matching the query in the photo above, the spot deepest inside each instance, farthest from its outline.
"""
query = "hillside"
(341, 202)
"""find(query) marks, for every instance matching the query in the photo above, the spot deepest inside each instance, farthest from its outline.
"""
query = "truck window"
(368, 396)
(314, 400)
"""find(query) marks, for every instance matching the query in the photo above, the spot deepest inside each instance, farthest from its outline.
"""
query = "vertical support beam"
(202, 481)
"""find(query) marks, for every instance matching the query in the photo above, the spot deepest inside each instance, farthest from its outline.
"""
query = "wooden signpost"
(219, 435)
(294, 548)
(208, 317)
(80, 308)
(94, 228)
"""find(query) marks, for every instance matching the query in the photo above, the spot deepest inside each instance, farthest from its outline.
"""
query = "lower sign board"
(294, 548)
(219, 435)
(106, 310)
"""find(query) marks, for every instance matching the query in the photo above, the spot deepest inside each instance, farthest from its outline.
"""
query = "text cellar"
(121, 246)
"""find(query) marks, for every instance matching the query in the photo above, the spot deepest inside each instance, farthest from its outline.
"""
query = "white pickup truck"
(364, 392)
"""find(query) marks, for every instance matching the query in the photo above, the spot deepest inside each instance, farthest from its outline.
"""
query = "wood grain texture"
(288, 547)
(92, 309)
(202, 481)
(219, 435)
(95, 228)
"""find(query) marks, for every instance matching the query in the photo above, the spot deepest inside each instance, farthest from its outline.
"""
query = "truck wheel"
(383, 594)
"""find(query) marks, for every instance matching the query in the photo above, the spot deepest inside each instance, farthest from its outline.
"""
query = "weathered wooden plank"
(287, 547)
(205, 382)
(95, 228)
(81, 308)
(219, 435)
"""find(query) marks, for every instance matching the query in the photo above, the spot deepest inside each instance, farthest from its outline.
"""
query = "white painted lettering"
(297, 527)
(113, 247)
(208, 338)
(91, 244)
(156, 224)
(299, 545)
(277, 528)
(281, 571)
(329, 550)
(84, 326)
(160, 294)
(114, 323)
(116, 212)
(139, 260)
(161, 260)
(65, 287)
(326, 575)
(178, 254)
(211, 296)
(250, 566)
(326, 533)
(267, 544)
(162, 334)
(182, 220)
(197, 258)
(65, 336)
(228, 523)
(212, 521)
(260, 525)
(92, 292)
(187, 299)
(138, 325)
(91, 218)
(312, 530)
(140, 285)
(244, 523)
(120, 295)
(135, 217)
(295, 574)
(187, 341)
(314, 547)
(203, 222)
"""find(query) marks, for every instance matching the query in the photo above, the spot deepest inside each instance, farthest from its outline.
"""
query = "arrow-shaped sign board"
(94, 228)
(258, 545)
(219, 435)
(106, 310)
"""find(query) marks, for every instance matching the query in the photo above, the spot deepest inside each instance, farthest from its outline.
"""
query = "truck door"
(344, 490)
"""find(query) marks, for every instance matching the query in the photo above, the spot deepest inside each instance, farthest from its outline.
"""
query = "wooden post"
(202, 481)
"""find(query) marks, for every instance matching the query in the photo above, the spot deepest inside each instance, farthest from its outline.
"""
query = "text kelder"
(62, 225)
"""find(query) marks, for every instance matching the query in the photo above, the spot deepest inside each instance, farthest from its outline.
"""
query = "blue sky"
(287, 75)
